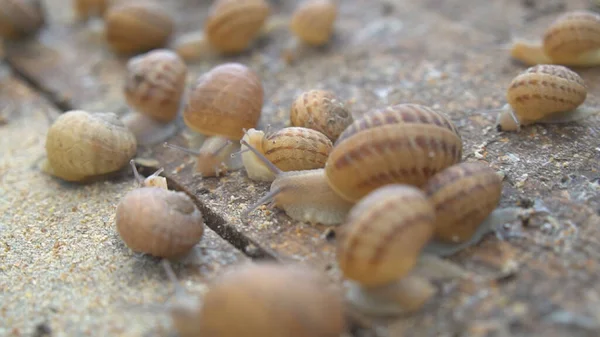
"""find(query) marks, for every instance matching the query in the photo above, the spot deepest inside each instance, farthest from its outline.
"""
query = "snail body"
(154, 87)
(544, 94)
(137, 26)
(82, 145)
(573, 39)
(404, 144)
(321, 110)
(290, 149)
(21, 18)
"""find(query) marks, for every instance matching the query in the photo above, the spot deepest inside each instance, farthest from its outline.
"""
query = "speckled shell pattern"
(155, 83)
(543, 90)
(81, 144)
(232, 25)
(224, 101)
(383, 235)
(321, 110)
(404, 144)
(159, 222)
(313, 21)
(572, 34)
(463, 195)
(19, 18)
(297, 148)
(137, 26)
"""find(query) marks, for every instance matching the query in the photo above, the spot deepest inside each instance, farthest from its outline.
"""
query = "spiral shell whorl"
(572, 34)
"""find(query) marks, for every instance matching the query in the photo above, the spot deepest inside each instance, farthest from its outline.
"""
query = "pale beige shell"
(21, 18)
(463, 195)
(81, 145)
(137, 26)
(159, 222)
(225, 101)
(232, 25)
(544, 90)
(321, 110)
(290, 149)
(384, 234)
(84, 9)
(155, 84)
(313, 21)
(574, 36)
(254, 300)
(403, 144)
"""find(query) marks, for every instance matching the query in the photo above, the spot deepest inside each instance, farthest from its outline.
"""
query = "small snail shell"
(21, 18)
(81, 145)
(232, 25)
(404, 144)
(225, 101)
(255, 300)
(84, 9)
(463, 195)
(313, 21)
(303, 195)
(543, 94)
(137, 26)
(290, 149)
(321, 110)
(573, 39)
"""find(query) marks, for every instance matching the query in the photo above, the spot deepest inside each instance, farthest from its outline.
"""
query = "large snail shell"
(384, 234)
(224, 101)
(159, 222)
(265, 299)
(463, 195)
(155, 83)
(21, 18)
(572, 35)
(404, 144)
(81, 145)
(233, 24)
(543, 90)
(313, 21)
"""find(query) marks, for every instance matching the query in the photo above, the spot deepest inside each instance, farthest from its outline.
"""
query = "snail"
(154, 87)
(21, 19)
(573, 39)
(304, 195)
(81, 146)
(289, 149)
(230, 28)
(137, 26)
(404, 143)
(85, 9)
(321, 110)
(223, 102)
(254, 300)
(312, 24)
(157, 221)
(544, 94)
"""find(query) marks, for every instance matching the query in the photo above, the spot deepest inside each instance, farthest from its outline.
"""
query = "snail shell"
(384, 234)
(255, 300)
(233, 24)
(313, 21)
(225, 101)
(321, 110)
(159, 222)
(84, 9)
(403, 144)
(80, 145)
(137, 26)
(155, 83)
(290, 149)
(463, 195)
(21, 18)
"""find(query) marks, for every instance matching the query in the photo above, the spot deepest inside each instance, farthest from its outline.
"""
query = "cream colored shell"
(81, 145)
(313, 21)
(573, 35)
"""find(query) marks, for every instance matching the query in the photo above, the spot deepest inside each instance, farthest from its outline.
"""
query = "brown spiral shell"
(571, 35)
(384, 234)
(463, 195)
(313, 21)
(321, 110)
(21, 18)
(155, 83)
(224, 101)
